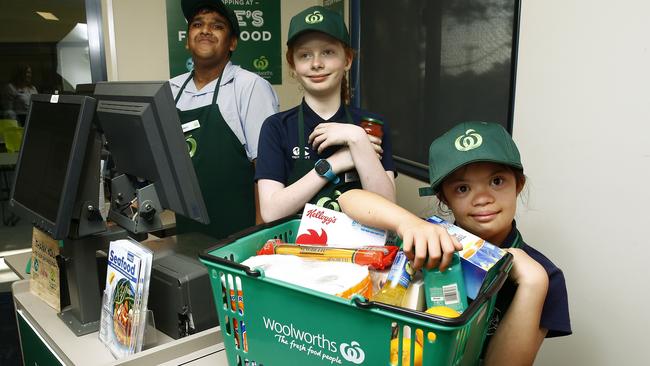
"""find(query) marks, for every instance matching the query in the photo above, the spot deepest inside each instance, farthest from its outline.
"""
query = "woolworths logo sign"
(261, 63)
(315, 345)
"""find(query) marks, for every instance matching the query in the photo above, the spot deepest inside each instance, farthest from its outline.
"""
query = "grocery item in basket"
(414, 296)
(444, 311)
(236, 304)
(378, 257)
(322, 226)
(406, 352)
(446, 288)
(399, 279)
(334, 278)
(378, 278)
(477, 256)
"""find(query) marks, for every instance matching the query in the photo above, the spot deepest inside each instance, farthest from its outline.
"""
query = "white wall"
(135, 39)
(582, 121)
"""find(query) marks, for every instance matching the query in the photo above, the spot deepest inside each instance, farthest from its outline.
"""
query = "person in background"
(316, 150)
(476, 171)
(221, 108)
(17, 94)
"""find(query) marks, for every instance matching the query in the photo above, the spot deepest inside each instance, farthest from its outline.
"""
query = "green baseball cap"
(466, 143)
(319, 19)
(190, 7)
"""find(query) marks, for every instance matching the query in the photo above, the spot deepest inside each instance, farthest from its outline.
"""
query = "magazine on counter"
(124, 303)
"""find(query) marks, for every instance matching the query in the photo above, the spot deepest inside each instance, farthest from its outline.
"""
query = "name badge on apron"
(191, 125)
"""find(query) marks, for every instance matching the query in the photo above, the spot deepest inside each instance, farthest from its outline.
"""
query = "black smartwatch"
(324, 169)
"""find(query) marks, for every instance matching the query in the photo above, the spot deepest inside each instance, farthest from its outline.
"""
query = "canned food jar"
(372, 126)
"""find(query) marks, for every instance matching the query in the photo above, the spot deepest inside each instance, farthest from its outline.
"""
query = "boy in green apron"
(221, 108)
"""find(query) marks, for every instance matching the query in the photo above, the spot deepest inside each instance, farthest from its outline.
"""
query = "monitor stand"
(80, 262)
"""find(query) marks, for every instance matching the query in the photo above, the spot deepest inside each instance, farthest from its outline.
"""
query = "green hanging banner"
(258, 49)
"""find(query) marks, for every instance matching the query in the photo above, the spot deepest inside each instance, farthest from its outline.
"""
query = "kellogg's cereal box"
(322, 226)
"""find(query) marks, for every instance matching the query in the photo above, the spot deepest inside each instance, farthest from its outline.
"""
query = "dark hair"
(18, 78)
(210, 9)
(349, 53)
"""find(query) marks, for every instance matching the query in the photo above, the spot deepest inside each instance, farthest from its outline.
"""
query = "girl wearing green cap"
(475, 170)
(316, 150)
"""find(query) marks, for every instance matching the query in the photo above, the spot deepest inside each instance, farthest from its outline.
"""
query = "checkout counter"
(58, 193)
(46, 340)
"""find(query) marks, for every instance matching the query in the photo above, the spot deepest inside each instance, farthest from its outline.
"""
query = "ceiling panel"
(20, 23)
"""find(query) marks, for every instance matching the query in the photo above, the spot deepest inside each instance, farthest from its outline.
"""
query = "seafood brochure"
(124, 303)
(322, 226)
(477, 256)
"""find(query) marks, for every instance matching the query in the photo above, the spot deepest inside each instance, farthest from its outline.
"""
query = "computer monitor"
(58, 175)
(52, 171)
(146, 142)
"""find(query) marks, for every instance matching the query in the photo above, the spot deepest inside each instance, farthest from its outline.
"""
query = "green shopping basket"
(267, 322)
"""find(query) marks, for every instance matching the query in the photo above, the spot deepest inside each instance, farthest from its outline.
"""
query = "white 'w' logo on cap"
(469, 141)
(315, 17)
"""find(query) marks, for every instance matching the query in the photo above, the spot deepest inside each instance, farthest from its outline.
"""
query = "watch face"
(322, 167)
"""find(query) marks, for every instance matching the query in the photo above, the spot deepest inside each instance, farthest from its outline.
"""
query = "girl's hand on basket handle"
(519, 335)
(423, 240)
(526, 271)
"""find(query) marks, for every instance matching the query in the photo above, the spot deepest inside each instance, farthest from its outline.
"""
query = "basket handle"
(252, 272)
(368, 305)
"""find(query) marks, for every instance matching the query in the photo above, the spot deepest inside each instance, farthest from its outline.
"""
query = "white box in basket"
(327, 227)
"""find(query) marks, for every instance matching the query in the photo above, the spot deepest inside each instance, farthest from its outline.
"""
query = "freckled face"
(483, 198)
(320, 63)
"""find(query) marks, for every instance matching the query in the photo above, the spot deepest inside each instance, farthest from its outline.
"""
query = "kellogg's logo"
(469, 141)
(352, 352)
(320, 215)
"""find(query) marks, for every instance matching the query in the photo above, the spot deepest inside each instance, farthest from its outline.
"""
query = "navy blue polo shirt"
(555, 313)
(278, 144)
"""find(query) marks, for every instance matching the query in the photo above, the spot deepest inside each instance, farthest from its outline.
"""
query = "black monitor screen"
(146, 141)
(45, 159)
(50, 160)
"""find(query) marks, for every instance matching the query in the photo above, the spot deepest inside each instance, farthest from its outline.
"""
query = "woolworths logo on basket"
(315, 344)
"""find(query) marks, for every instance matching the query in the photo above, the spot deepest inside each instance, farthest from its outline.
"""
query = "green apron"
(328, 195)
(225, 174)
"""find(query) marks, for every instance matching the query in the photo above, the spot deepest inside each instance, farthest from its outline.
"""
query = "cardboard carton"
(477, 256)
(322, 226)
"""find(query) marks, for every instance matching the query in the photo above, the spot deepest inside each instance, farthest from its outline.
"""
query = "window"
(428, 65)
(47, 47)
